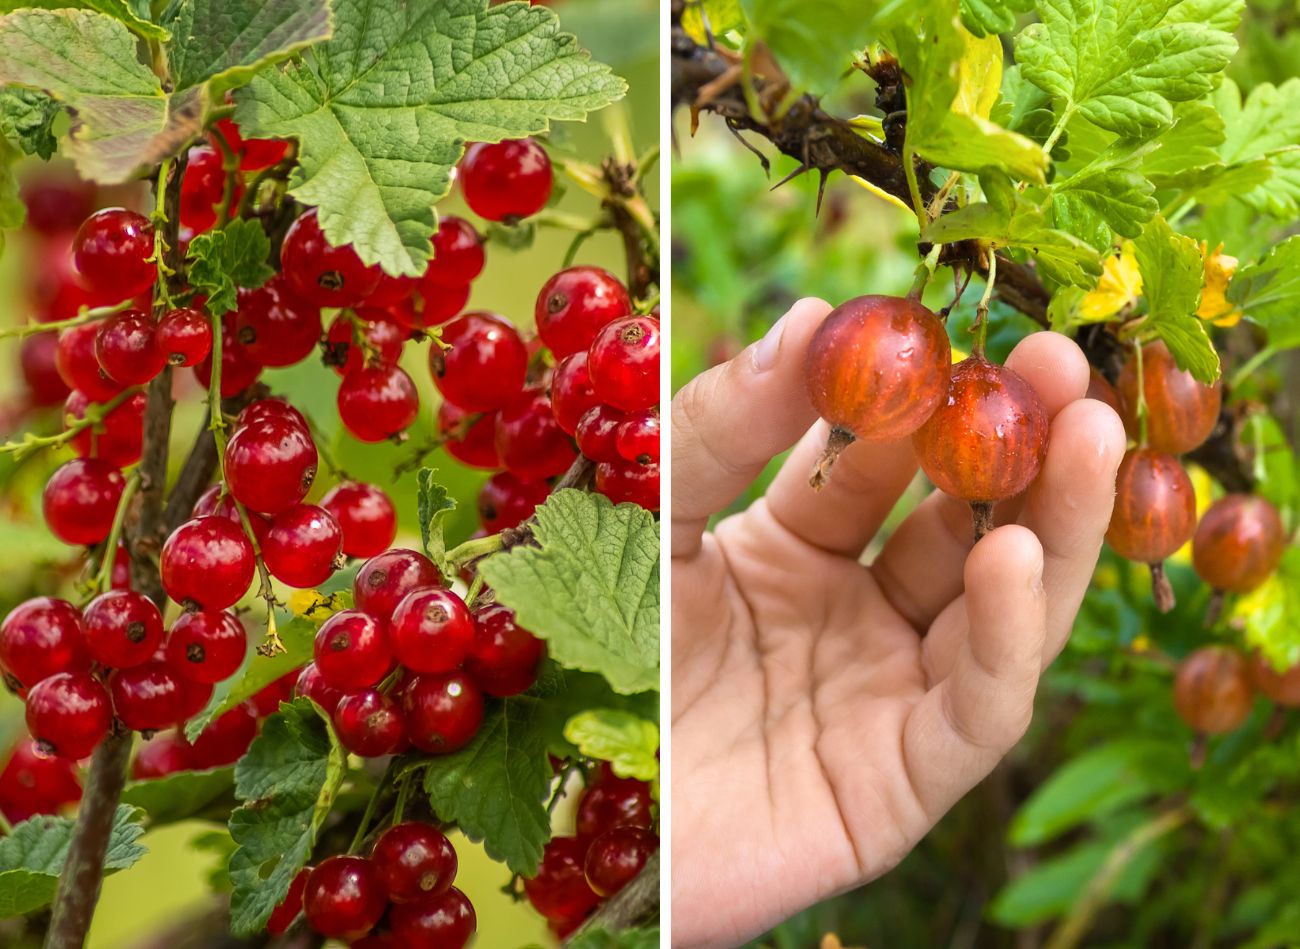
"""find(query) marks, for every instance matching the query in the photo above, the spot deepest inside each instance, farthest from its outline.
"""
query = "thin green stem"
(473, 549)
(85, 315)
(95, 414)
(1141, 393)
(403, 792)
(369, 813)
(1057, 130)
(1250, 365)
(914, 188)
(229, 165)
(475, 588)
(6, 828)
(104, 579)
(160, 246)
(561, 788)
(982, 308)
(646, 162)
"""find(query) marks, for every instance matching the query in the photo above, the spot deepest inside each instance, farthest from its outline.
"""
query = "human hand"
(826, 714)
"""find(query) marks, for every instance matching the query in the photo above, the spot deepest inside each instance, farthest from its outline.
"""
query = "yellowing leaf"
(1119, 286)
(882, 194)
(979, 76)
(1219, 268)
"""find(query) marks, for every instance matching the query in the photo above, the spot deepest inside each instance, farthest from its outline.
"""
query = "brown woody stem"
(839, 439)
(1161, 590)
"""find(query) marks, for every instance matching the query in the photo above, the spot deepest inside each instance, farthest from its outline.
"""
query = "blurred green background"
(168, 888)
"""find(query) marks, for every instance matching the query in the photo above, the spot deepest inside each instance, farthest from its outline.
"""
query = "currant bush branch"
(84, 315)
(94, 415)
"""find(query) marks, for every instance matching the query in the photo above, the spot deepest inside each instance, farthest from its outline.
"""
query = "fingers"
(729, 422)
(965, 724)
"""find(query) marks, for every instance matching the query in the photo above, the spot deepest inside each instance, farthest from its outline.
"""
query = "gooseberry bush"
(954, 176)
(261, 240)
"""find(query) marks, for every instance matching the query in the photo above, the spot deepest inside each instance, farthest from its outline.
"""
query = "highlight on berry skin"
(317, 605)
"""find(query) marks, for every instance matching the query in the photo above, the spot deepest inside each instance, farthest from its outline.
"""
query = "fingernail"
(769, 347)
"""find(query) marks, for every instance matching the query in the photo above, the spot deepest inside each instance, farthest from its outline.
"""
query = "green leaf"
(1172, 274)
(1265, 126)
(122, 120)
(1270, 614)
(1223, 15)
(227, 258)
(591, 587)
(720, 16)
(433, 506)
(227, 41)
(383, 110)
(993, 16)
(287, 782)
(1113, 189)
(12, 210)
(179, 796)
(134, 16)
(495, 787)
(27, 119)
(1187, 148)
(576, 692)
(600, 938)
(32, 857)
(1268, 293)
(628, 742)
(1121, 63)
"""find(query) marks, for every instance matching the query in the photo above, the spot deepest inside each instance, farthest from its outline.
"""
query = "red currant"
(118, 439)
(506, 501)
(264, 409)
(384, 580)
(184, 336)
(391, 291)
(34, 782)
(274, 326)
(613, 802)
(212, 501)
(120, 579)
(313, 685)
(1213, 692)
(270, 465)
(573, 306)
(122, 628)
(470, 437)
(432, 306)
(378, 403)
(239, 369)
(37, 359)
(571, 392)
(445, 921)
(56, 202)
(226, 740)
(195, 697)
(352, 650)
(268, 699)
(431, 631)
(530, 442)
(39, 638)
(203, 189)
(559, 891)
(365, 515)
(164, 754)
(637, 437)
(302, 546)
(368, 724)
(255, 154)
(1238, 543)
(80, 500)
(375, 337)
(321, 273)
(1181, 412)
(597, 433)
(207, 562)
(457, 254)
(628, 481)
(616, 857)
(112, 250)
(146, 697)
(505, 657)
(485, 367)
(69, 712)
(283, 916)
(506, 181)
(443, 712)
(344, 897)
(79, 366)
(207, 646)
(623, 363)
(415, 861)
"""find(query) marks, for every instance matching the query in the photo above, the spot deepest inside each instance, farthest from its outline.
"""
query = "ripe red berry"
(1238, 543)
(122, 629)
(112, 250)
(302, 546)
(629, 481)
(239, 369)
(384, 580)
(69, 713)
(476, 447)
(313, 685)
(504, 657)
(616, 857)
(203, 189)
(506, 181)
(529, 440)
(1181, 412)
(207, 646)
(146, 697)
(559, 891)
(321, 273)
(264, 409)
(34, 782)
(571, 392)
(163, 754)
(457, 254)
(352, 650)
(118, 439)
(56, 202)
(366, 516)
(212, 501)
(344, 897)
(270, 465)
(194, 699)
(1213, 692)
(1155, 507)
(368, 723)
(39, 638)
(226, 740)
(375, 336)
(445, 921)
(573, 306)
(78, 365)
(1282, 687)
(120, 578)
(613, 802)
(597, 433)
(623, 363)
(37, 359)
(184, 336)
(637, 437)
(431, 630)
(442, 711)
(80, 500)
(207, 562)
(431, 306)
(506, 501)
(275, 326)
(415, 861)
(485, 367)
(268, 699)
(1099, 388)
(287, 911)
(378, 403)
(255, 154)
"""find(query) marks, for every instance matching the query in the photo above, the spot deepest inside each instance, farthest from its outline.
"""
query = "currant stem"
(230, 165)
(1141, 394)
(1214, 609)
(1161, 589)
(839, 439)
(95, 413)
(371, 806)
(84, 315)
(474, 549)
(982, 516)
(104, 578)
(982, 308)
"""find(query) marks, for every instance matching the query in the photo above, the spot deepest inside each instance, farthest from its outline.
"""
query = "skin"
(825, 713)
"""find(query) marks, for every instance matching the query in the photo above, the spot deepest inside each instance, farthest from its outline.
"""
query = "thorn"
(790, 177)
(821, 190)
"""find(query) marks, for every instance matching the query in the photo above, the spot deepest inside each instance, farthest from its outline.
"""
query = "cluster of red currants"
(399, 897)
(614, 837)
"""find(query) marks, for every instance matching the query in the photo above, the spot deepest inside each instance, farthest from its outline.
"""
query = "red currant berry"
(79, 366)
(239, 369)
(212, 501)
(207, 646)
(1155, 507)
(457, 254)
(529, 440)
(69, 713)
(470, 437)
(344, 897)
(1213, 692)
(195, 697)
(443, 712)
(365, 515)
(302, 546)
(313, 685)
(431, 631)
(368, 724)
(56, 202)
(559, 891)
(505, 501)
(37, 360)
(628, 481)
(283, 916)
(184, 336)
(384, 580)
(623, 363)
(375, 337)
(1181, 412)
(352, 650)
(616, 857)
(378, 403)
(226, 740)
(264, 409)
(571, 392)
(34, 782)
(40, 638)
(573, 306)
(203, 189)
(446, 921)
(505, 657)
(120, 579)
(415, 861)
(268, 699)
(637, 437)
(146, 697)
(506, 181)
(275, 327)
(431, 306)
(112, 250)
(321, 273)
(270, 465)
(613, 802)
(1282, 687)
(255, 154)
(207, 562)
(123, 629)
(80, 500)
(597, 433)
(485, 367)
(118, 439)
(391, 291)
(164, 754)
(1238, 543)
